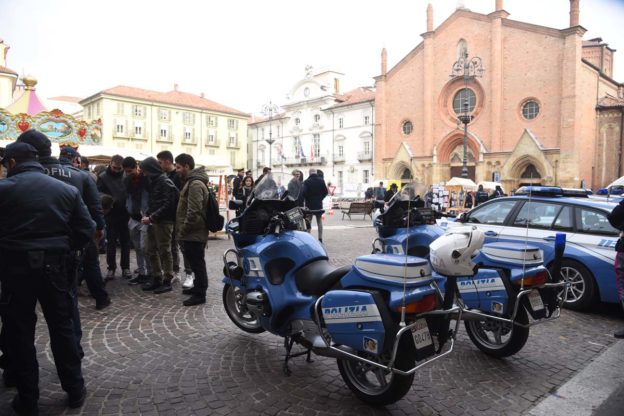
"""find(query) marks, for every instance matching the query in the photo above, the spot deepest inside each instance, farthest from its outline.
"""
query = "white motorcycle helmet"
(451, 254)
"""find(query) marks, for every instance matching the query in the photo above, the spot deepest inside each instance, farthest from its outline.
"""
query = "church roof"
(356, 96)
(174, 97)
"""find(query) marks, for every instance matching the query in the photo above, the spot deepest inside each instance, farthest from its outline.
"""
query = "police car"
(536, 214)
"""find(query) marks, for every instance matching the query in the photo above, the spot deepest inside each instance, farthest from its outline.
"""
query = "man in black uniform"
(480, 197)
(42, 221)
(63, 170)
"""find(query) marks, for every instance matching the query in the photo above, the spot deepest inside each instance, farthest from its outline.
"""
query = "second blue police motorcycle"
(508, 284)
(381, 317)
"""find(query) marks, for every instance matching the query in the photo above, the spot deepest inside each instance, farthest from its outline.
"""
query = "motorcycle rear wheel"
(242, 319)
(499, 339)
(374, 385)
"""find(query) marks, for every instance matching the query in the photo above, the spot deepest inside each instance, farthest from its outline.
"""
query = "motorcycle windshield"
(294, 189)
(266, 189)
(408, 192)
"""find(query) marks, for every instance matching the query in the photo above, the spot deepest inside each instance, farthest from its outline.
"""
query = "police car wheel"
(374, 385)
(582, 291)
(242, 318)
(499, 339)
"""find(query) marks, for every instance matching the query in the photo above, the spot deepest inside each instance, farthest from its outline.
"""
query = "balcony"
(362, 156)
(339, 159)
(305, 161)
(213, 143)
(233, 145)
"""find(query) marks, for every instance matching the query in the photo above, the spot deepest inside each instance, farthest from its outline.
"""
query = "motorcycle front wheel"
(374, 385)
(241, 317)
(499, 339)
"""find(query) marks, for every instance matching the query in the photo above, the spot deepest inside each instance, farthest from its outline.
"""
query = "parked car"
(536, 214)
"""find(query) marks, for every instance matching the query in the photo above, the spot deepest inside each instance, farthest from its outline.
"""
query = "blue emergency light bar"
(553, 191)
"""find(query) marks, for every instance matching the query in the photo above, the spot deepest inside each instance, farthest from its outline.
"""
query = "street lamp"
(268, 110)
(469, 68)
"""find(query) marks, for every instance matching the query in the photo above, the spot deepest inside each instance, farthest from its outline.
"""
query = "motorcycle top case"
(352, 318)
(510, 255)
(390, 269)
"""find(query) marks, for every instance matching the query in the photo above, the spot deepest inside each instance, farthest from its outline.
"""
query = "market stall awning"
(463, 182)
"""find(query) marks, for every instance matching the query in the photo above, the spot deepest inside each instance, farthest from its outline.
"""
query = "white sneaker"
(188, 282)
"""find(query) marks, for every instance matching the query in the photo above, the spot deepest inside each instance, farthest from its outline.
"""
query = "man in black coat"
(480, 197)
(63, 170)
(160, 217)
(43, 220)
(314, 191)
(616, 218)
(111, 182)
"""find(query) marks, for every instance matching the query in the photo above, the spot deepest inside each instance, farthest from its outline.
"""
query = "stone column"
(428, 73)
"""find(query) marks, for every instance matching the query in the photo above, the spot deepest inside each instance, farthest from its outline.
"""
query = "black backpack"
(214, 220)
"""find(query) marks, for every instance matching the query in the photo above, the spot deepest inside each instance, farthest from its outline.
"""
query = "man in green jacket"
(192, 230)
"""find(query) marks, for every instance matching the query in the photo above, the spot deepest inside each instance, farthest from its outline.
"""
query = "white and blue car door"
(594, 246)
(537, 222)
(490, 217)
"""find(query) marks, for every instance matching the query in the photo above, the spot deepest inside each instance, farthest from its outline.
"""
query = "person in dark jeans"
(43, 220)
(314, 190)
(191, 224)
(111, 182)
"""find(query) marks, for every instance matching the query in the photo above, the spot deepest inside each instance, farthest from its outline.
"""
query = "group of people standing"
(55, 215)
(313, 191)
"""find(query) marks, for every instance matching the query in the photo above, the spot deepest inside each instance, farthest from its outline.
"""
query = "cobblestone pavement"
(148, 354)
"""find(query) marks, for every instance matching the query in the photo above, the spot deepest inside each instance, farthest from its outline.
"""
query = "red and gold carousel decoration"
(29, 112)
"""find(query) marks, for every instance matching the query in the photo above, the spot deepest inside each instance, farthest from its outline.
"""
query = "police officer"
(616, 218)
(480, 197)
(42, 220)
(63, 170)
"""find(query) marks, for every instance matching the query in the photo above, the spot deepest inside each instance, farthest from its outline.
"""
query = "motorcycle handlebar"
(312, 211)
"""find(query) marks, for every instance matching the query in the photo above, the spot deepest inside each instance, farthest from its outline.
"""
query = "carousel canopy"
(28, 103)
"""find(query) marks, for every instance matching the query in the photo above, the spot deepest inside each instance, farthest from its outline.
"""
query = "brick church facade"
(545, 109)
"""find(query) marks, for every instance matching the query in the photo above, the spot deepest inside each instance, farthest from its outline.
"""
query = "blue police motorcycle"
(508, 285)
(381, 317)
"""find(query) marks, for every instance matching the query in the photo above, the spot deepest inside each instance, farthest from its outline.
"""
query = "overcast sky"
(242, 53)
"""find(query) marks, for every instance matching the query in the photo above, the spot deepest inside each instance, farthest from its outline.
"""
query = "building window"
(138, 130)
(297, 146)
(464, 101)
(278, 131)
(365, 176)
(366, 120)
(120, 127)
(340, 179)
(366, 148)
(163, 115)
(341, 151)
(97, 109)
(262, 133)
(316, 143)
(233, 158)
(317, 118)
(138, 110)
(530, 110)
(120, 108)
(232, 124)
(88, 111)
(188, 134)
(233, 139)
(340, 122)
(407, 127)
(211, 137)
(211, 121)
(164, 131)
(188, 118)
(297, 121)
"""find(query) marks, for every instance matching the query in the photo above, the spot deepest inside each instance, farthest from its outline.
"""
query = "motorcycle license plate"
(536, 301)
(421, 334)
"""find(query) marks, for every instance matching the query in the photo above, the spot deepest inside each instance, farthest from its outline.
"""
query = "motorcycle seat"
(316, 278)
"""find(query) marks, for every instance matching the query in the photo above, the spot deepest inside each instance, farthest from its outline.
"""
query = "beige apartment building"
(148, 122)
(544, 106)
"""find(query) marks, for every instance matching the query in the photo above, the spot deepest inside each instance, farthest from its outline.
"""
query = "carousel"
(29, 112)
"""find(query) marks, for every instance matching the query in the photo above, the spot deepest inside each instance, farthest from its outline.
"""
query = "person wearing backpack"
(192, 224)
(160, 217)
(616, 219)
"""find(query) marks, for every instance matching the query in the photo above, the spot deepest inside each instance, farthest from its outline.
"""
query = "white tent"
(463, 182)
(490, 186)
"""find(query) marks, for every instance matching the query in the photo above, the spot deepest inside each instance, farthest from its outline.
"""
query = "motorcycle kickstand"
(288, 344)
